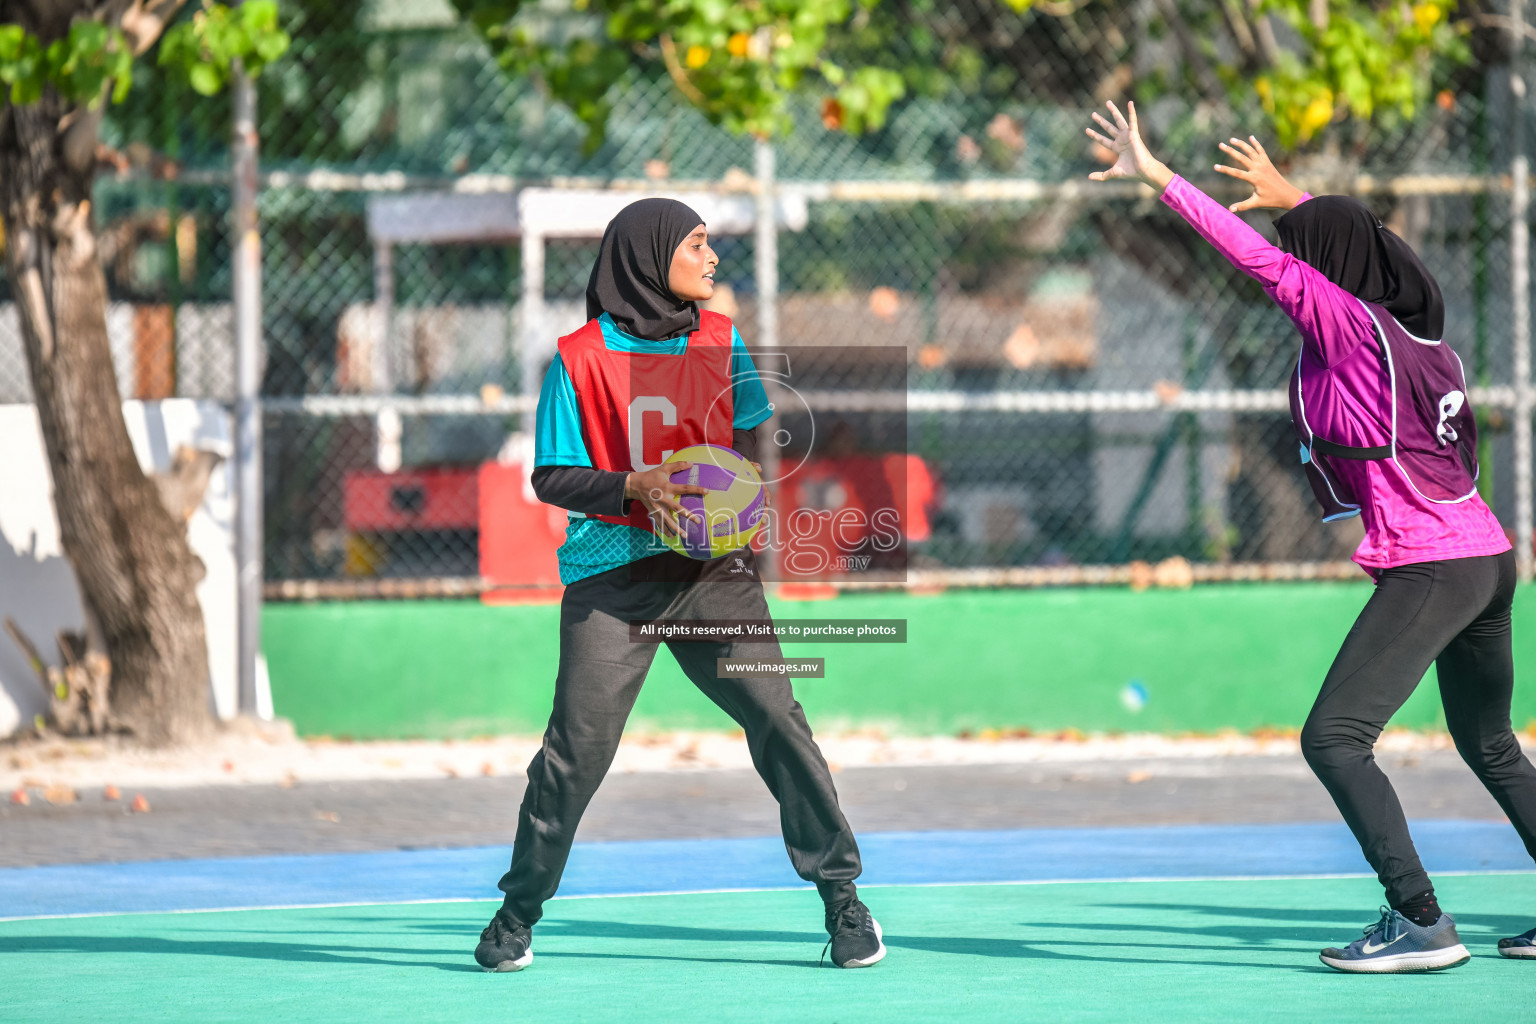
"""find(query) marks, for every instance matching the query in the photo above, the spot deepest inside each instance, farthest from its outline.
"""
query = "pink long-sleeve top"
(1401, 527)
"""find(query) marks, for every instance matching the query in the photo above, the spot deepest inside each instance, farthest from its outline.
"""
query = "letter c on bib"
(637, 410)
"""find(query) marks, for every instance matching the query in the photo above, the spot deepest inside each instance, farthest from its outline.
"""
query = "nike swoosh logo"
(1370, 950)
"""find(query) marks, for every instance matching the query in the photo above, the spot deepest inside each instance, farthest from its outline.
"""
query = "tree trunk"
(136, 572)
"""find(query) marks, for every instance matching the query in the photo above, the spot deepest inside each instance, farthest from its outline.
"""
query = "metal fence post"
(767, 239)
(766, 274)
(386, 422)
(1520, 287)
(531, 332)
(247, 302)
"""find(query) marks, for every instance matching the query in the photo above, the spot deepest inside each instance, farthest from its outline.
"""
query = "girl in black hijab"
(1341, 237)
(629, 281)
(649, 374)
(1396, 446)
(1386, 432)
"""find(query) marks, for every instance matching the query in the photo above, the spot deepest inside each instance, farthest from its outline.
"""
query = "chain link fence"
(1089, 385)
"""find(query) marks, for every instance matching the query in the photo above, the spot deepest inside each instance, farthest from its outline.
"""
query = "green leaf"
(272, 45)
(119, 71)
(27, 91)
(205, 79)
(259, 16)
(13, 38)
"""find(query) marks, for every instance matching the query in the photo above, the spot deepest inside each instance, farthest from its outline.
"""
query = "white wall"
(37, 586)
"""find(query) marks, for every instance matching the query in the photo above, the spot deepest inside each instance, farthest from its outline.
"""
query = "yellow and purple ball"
(730, 514)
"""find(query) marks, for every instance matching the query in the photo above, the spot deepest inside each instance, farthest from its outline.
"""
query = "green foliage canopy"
(739, 62)
(94, 59)
(1357, 58)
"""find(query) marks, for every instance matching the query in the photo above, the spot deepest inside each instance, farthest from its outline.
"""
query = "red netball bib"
(638, 408)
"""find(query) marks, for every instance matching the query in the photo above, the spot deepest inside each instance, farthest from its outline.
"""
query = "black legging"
(1454, 613)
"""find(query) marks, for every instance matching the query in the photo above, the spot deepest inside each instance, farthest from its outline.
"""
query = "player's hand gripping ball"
(729, 516)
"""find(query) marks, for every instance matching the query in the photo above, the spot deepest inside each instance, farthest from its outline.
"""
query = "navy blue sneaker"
(1521, 947)
(1395, 945)
(505, 945)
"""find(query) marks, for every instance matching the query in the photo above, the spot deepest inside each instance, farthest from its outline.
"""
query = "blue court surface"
(713, 865)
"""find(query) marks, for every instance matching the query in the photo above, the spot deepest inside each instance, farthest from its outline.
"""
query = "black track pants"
(598, 681)
(1455, 614)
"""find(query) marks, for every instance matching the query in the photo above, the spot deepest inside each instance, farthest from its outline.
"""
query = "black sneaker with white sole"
(1521, 947)
(855, 935)
(505, 945)
(1395, 945)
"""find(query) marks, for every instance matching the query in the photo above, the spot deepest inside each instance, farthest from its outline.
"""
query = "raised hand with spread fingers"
(1132, 158)
(1270, 189)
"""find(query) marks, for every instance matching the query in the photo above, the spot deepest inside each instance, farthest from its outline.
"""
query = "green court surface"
(1083, 951)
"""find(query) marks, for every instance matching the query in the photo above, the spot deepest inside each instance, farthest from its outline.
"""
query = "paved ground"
(357, 816)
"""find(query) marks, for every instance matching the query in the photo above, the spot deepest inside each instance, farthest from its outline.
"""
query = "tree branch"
(1061, 8)
(48, 19)
(1209, 83)
(675, 69)
(183, 485)
(1264, 34)
(1502, 22)
(144, 22)
(29, 651)
(1237, 24)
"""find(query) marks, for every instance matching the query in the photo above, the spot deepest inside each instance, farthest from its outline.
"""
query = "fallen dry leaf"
(832, 115)
(1174, 572)
(885, 302)
(1168, 391)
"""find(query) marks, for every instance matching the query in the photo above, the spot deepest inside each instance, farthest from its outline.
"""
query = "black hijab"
(629, 279)
(1343, 240)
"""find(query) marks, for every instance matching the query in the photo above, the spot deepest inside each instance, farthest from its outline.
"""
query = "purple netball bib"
(1430, 435)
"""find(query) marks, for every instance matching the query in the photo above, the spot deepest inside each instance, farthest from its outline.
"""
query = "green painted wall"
(1235, 656)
